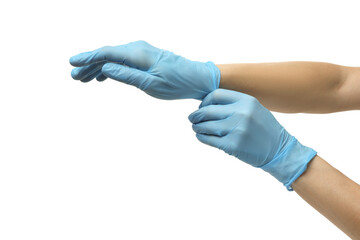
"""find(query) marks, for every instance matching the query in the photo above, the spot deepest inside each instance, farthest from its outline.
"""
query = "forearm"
(312, 87)
(333, 194)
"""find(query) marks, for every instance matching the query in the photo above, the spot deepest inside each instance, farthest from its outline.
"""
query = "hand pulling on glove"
(239, 125)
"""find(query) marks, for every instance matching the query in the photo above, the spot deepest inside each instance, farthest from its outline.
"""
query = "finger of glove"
(213, 141)
(79, 73)
(215, 128)
(101, 77)
(99, 55)
(222, 97)
(108, 53)
(211, 112)
(128, 75)
(91, 76)
(85, 58)
(128, 54)
(96, 70)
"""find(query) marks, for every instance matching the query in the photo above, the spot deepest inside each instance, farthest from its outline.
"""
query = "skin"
(292, 87)
(309, 87)
(332, 194)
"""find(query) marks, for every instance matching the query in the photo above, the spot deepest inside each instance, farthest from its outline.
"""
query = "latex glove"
(238, 124)
(159, 73)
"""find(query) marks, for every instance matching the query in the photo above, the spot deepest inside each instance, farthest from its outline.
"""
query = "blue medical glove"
(159, 73)
(239, 125)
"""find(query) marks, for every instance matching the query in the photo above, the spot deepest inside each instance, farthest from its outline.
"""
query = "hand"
(239, 125)
(159, 73)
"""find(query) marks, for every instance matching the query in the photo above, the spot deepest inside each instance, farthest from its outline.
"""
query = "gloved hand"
(239, 125)
(159, 73)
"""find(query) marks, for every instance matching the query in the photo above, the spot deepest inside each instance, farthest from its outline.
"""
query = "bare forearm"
(332, 194)
(312, 87)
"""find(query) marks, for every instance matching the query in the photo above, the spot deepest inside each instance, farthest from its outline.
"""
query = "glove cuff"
(291, 163)
(216, 75)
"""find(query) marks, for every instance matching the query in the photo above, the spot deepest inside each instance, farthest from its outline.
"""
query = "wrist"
(224, 75)
(216, 75)
(291, 163)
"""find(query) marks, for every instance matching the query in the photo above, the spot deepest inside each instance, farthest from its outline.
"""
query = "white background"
(106, 161)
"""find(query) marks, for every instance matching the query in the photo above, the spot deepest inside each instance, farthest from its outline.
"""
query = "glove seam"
(215, 71)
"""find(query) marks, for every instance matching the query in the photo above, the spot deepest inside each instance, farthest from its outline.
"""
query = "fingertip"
(191, 117)
(199, 136)
(74, 61)
(101, 77)
(207, 100)
(214, 141)
(196, 116)
(74, 73)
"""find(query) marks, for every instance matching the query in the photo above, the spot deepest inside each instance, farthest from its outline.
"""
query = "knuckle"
(141, 42)
(106, 49)
(139, 52)
(216, 94)
(239, 142)
(198, 128)
(222, 132)
(244, 115)
(253, 101)
(246, 123)
(223, 147)
(237, 115)
(145, 84)
(209, 111)
(231, 147)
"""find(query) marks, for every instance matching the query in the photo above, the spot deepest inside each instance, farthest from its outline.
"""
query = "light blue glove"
(239, 125)
(159, 73)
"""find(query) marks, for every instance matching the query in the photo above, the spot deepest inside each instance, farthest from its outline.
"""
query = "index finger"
(106, 53)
